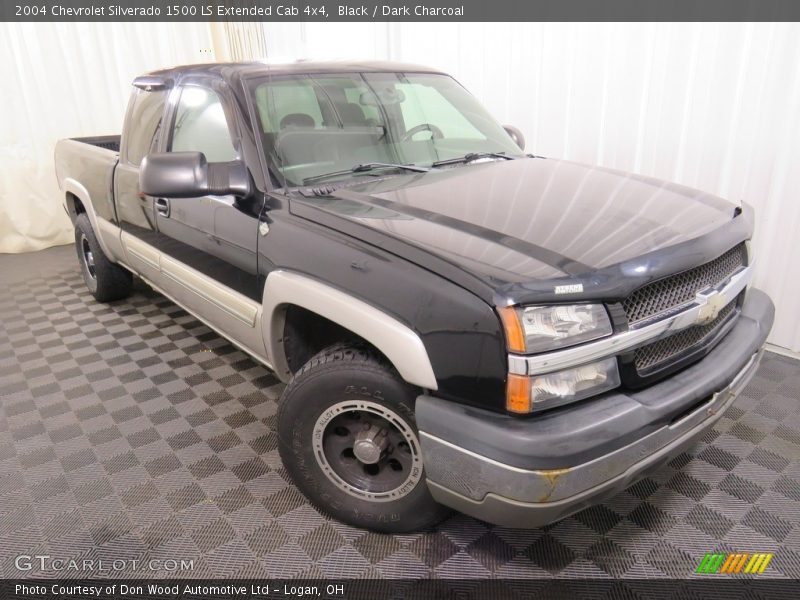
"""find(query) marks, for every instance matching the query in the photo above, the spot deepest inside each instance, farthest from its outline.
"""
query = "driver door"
(208, 244)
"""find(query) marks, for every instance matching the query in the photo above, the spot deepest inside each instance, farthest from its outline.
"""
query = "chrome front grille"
(666, 349)
(676, 290)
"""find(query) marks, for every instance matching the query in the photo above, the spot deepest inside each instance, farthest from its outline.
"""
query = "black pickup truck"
(460, 324)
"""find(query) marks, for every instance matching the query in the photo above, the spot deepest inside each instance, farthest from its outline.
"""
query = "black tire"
(104, 279)
(345, 376)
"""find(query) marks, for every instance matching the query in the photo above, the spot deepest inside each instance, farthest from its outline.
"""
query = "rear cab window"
(143, 124)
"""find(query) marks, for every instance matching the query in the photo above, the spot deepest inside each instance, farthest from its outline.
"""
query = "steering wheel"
(436, 133)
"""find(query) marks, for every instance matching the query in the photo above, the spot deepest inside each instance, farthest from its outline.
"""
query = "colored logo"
(710, 304)
(738, 562)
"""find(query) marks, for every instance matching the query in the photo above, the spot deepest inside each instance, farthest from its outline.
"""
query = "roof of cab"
(299, 66)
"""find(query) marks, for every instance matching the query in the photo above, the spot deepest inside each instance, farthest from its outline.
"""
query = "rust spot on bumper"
(552, 476)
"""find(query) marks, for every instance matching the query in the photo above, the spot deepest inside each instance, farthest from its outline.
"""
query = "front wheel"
(348, 438)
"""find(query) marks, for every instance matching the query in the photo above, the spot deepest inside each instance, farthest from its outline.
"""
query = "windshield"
(319, 125)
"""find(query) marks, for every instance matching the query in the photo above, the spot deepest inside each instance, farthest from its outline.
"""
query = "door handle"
(162, 206)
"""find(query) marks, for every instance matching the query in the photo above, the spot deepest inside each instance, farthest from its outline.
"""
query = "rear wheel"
(349, 440)
(104, 279)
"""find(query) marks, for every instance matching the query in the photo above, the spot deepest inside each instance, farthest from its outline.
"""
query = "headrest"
(351, 114)
(297, 120)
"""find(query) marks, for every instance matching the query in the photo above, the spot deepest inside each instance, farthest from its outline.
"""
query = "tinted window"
(200, 126)
(318, 127)
(143, 125)
(423, 104)
(288, 103)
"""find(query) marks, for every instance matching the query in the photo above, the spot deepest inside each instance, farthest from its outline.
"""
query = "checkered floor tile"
(132, 431)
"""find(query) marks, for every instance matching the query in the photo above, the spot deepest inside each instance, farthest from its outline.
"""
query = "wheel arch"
(401, 346)
(78, 200)
(75, 206)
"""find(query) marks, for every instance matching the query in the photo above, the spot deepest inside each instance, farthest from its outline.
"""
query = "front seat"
(297, 120)
(352, 114)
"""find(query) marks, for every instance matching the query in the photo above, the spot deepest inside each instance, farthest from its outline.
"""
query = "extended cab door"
(208, 244)
(134, 211)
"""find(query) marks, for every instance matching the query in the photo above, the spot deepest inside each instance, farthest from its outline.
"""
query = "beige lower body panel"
(256, 327)
(233, 315)
(226, 300)
(246, 338)
(110, 235)
(142, 257)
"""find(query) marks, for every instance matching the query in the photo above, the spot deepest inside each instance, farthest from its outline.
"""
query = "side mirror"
(189, 175)
(516, 135)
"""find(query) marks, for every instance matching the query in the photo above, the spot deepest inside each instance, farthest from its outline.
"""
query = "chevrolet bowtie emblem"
(710, 304)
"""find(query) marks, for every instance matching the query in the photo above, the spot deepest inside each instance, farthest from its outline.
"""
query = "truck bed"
(88, 164)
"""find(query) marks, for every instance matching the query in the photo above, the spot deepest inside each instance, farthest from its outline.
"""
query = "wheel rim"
(88, 256)
(367, 450)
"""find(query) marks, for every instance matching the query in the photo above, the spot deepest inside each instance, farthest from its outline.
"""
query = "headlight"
(540, 392)
(542, 328)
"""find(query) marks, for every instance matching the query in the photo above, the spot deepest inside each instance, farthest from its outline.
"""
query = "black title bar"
(391, 10)
(729, 588)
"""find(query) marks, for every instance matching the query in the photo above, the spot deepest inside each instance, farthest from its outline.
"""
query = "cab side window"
(200, 126)
(147, 109)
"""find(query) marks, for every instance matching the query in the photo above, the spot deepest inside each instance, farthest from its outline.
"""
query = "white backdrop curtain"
(69, 80)
(714, 106)
(238, 41)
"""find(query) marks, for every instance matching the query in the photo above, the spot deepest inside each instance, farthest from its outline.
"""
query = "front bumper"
(530, 472)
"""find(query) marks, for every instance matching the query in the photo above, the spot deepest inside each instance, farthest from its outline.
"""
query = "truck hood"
(522, 227)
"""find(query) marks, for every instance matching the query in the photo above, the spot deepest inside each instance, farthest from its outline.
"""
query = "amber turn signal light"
(518, 394)
(515, 338)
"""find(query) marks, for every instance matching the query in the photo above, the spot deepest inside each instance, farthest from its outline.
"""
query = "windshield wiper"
(470, 156)
(363, 168)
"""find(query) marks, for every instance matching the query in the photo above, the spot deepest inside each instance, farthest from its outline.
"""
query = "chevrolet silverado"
(460, 324)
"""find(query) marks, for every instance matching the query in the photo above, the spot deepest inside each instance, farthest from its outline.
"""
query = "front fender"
(400, 344)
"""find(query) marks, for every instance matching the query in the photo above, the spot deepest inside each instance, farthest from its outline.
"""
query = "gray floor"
(131, 430)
